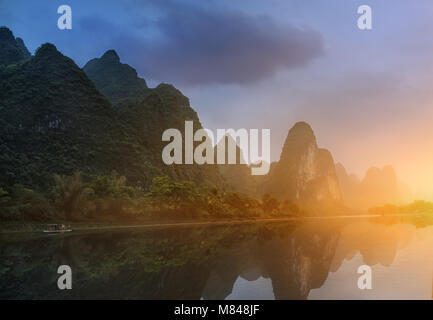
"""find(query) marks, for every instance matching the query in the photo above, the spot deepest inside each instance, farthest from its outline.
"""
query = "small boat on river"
(57, 228)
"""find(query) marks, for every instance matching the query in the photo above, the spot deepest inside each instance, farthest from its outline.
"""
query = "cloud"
(191, 45)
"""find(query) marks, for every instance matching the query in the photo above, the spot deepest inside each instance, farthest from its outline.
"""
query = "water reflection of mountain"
(377, 244)
(193, 263)
(294, 261)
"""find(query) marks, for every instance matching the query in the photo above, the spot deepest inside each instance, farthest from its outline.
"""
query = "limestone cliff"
(305, 172)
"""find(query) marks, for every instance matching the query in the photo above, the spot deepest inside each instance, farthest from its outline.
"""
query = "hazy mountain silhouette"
(237, 176)
(349, 185)
(379, 186)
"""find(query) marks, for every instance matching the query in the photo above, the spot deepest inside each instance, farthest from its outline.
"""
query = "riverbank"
(19, 227)
(28, 227)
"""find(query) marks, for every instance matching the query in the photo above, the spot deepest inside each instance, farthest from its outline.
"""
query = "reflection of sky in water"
(260, 289)
(404, 273)
(408, 277)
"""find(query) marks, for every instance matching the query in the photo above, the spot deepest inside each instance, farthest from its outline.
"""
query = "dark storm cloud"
(202, 47)
(191, 45)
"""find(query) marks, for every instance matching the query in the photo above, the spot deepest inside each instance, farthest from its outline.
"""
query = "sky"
(267, 64)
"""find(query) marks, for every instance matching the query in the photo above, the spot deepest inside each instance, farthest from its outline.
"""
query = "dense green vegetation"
(55, 120)
(109, 198)
(12, 50)
(113, 79)
(418, 206)
(64, 130)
